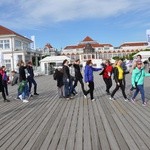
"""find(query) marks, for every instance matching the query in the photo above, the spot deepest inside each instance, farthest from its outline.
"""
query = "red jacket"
(107, 71)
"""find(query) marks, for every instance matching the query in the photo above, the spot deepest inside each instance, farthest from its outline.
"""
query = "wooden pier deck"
(50, 123)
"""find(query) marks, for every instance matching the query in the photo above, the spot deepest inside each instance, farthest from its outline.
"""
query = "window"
(4, 44)
(17, 44)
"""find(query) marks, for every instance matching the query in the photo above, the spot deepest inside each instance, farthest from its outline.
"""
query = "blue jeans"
(25, 92)
(66, 88)
(140, 88)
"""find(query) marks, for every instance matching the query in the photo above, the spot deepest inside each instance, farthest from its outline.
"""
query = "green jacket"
(21, 86)
(138, 76)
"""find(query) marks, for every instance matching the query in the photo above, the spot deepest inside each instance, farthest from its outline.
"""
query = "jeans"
(25, 92)
(31, 80)
(66, 88)
(140, 88)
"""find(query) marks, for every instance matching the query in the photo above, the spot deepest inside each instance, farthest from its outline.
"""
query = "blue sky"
(67, 22)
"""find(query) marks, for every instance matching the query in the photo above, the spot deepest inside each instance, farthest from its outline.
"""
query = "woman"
(89, 78)
(138, 75)
(118, 77)
(107, 72)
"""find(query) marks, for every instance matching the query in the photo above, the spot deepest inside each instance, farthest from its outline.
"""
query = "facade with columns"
(15, 47)
(90, 49)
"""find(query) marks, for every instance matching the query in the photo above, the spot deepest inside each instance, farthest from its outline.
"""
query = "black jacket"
(78, 74)
(22, 73)
(66, 72)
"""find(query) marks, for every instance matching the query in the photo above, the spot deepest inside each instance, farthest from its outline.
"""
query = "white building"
(15, 47)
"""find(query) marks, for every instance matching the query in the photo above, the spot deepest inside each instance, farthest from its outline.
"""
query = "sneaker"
(20, 96)
(6, 100)
(85, 96)
(132, 100)
(25, 101)
(144, 104)
(112, 99)
(36, 94)
(126, 99)
(93, 100)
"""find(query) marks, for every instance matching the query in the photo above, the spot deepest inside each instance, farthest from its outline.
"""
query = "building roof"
(6, 31)
(54, 59)
(126, 44)
(85, 41)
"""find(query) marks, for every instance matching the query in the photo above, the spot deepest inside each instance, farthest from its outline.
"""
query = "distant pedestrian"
(5, 79)
(138, 76)
(2, 88)
(89, 78)
(106, 73)
(58, 76)
(118, 77)
(67, 79)
(23, 90)
(30, 78)
(78, 75)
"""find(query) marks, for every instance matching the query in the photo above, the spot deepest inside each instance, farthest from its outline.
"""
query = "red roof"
(135, 44)
(6, 31)
(87, 39)
(48, 45)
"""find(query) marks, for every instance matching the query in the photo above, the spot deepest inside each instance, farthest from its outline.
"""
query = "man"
(78, 75)
(31, 78)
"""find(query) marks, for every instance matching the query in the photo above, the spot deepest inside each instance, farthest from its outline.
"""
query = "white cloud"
(37, 12)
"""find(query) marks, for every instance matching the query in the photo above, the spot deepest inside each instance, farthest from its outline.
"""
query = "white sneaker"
(25, 101)
(93, 99)
(85, 96)
(20, 96)
(112, 99)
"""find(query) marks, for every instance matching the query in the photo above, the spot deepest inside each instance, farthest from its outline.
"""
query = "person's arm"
(96, 69)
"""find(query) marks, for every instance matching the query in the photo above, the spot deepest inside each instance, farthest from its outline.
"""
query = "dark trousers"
(5, 87)
(3, 93)
(108, 82)
(32, 81)
(91, 89)
(81, 82)
(117, 88)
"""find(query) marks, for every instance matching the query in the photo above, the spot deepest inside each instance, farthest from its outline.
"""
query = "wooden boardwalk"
(50, 123)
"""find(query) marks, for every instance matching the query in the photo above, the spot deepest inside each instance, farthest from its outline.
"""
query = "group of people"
(67, 83)
(24, 78)
(70, 74)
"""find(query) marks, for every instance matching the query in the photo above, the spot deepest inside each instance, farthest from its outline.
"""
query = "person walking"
(106, 73)
(138, 75)
(78, 76)
(2, 89)
(118, 77)
(30, 78)
(23, 89)
(5, 80)
(89, 78)
(67, 80)
(58, 76)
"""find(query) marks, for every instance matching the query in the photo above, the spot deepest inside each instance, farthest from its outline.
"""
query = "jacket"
(88, 73)
(138, 76)
(78, 74)
(107, 72)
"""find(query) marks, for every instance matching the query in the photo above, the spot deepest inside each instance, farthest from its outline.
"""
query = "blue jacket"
(88, 73)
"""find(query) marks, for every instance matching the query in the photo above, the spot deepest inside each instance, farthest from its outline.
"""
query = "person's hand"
(118, 83)
(67, 80)
(87, 83)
